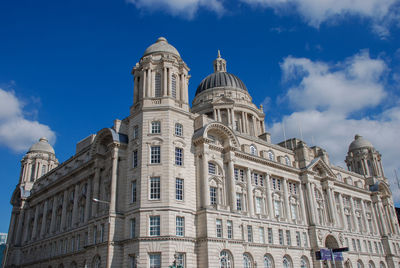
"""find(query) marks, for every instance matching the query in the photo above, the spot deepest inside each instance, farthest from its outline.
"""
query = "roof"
(359, 142)
(220, 79)
(161, 45)
(42, 146)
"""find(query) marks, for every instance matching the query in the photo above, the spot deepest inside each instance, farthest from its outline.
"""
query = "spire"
(219, 64)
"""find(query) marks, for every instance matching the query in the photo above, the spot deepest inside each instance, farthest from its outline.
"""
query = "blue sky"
(326, 67)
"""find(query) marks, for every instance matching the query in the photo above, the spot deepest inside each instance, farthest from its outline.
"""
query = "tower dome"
(42, 146)
(161, 45)
(220, 78)
(359, 142)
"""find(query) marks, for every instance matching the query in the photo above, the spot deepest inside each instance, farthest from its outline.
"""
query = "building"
(201, 186)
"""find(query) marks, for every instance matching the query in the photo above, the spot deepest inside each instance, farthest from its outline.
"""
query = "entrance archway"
(331, 242)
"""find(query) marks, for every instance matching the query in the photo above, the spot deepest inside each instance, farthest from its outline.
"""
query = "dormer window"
(287, 161)
(271, 156)
(253, 150)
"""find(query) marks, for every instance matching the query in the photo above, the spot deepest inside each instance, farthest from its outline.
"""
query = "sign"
(326, 254)
(340, 249)
(338, 256)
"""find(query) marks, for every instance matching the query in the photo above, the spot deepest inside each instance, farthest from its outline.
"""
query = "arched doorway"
(331, 242)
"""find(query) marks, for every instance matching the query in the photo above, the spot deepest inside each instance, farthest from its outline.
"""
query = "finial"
(219, 54)
(219, 63)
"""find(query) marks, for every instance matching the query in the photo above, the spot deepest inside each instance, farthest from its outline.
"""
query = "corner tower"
(161, 77)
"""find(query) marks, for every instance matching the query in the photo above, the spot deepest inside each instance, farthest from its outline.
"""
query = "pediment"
(319, 167)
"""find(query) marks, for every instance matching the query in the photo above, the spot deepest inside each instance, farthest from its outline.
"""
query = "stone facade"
(201, 186)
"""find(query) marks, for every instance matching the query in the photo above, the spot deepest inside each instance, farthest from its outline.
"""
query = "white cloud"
(324, 98)
(17, 132)
(184, 8)
(315, 12)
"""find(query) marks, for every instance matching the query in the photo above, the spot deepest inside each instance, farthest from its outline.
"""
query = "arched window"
(382, 265)
(96, 262)
(371, 264)
(286, 262)
(271, 156)
(173, 86)
(157, 90)
(304, 262)
(268, 261)
(360, 264)
(287, 161)
(73, 265)
(247, 261)
(225, 259)
(253, 150)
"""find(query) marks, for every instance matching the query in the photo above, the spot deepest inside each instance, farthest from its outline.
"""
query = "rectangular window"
(353, 242)
(156, 127)
(180, 226)
(94, 234)
(229, 229)
(155, 156)
(270, 236)
(236, 172)
(288, 238)
(211, 168)
(249, 233)
(262, 235)
(298, 239)
(133, 192)
(155, 188)
(78, 242)
(358, 245)
(178, 156)
(155, 260)
(277, 208)
(181, 259)
(135, 158)
(179, 189)
(371, 228)
(305, 239)
(280, 237)
(239, 202)
(154, 225)
(376, 247)
(72, 244)
(178, 129)
(276, 184)
(213, 195)
(370, 246)
(258, 205)
(132, 261)
(135, 132)
(101, 233)
(133, 228)
(219, 228)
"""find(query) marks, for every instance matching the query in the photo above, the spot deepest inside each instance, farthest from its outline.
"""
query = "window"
(305, 239)
(155, 188)
(178, 156)
(229, 229)
(287, 161)
(219, 228)
(353, 242)
(135, 158)
(262, 235)
(298, 239)
(271, 156)
(155, 127)
(226, 260)
(133, 192)
(258, 205)
(33, 170)
(293, 211)
(270, 236)
(133, 226)
(239, 174)
(180, 226)
(247, 263)
(132, 261)
(360, 264)
(154, 225)
(249, 233)
(239, 201)
(277, 208)
(276, 184)
(173, 86)
(155, 157)
(181, 259)
(303, 262)
(370, 246)
(359, 245)
(102, 233)
(258, 179)
(178, 129)
(157, 91)
(179, 189)
(78, 242)
(213, 195)
(44, 167)
(268, 262)
(292, 187)
(253, 150)
(286, 262)
(288, 238)
(280, 237)
(135, 132)
(94, 235)
(211, 168)
(155, 260)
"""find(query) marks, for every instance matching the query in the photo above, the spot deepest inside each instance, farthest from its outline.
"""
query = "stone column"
(253, 118)
(19, 227)
(219, 115)
(88, 200)
(206, 188)
(341, 206)
(233, 118)
(144, 82)
(353, 214)
(381, 218)
(43, 227)
(331, 207)
(364, 215)
(388, 217)
(114, 179)
(302, 199)
(374, 223)
(96, 182)
(228, 112)
(243, 124)
(64, 210)
(269, 196)
(164, 88)
(75, 207)
(215, 114)
(311, 203)
(35, 222)
(232, 184)
(149, 76)
(286, 199)
(53, 215)
(185, 88)
(247, 123)
(250, 193)
(262, 126)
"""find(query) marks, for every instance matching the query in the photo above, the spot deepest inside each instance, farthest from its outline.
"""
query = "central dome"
(42, 146)
(359, 142)
(220, 79)
(161, 45)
